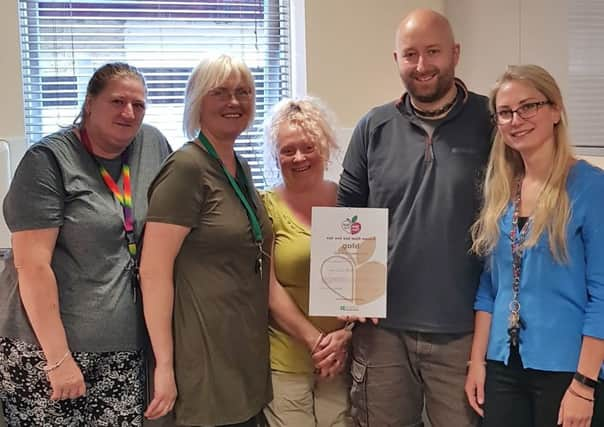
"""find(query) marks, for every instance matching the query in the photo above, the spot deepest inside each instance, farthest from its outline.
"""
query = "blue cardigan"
(559, 302)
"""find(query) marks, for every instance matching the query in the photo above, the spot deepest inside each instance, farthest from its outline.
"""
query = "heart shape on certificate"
(344, 273)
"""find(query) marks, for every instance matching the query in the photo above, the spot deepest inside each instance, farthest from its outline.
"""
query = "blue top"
(559, 302)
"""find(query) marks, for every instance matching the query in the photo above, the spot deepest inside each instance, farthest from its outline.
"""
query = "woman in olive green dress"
(204, 268)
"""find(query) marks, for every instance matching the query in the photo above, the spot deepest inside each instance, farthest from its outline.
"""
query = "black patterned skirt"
(115, 384)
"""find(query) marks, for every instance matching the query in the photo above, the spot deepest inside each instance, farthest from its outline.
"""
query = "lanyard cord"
(515, 322)
(255, 224)
(124, 198)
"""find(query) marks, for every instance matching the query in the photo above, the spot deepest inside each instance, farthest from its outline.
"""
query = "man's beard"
(443, 85)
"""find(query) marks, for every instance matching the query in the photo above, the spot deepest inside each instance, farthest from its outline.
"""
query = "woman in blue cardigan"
(538, 346)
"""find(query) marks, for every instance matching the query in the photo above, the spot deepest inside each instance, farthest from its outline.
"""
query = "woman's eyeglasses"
(225, 95)
(525, 111)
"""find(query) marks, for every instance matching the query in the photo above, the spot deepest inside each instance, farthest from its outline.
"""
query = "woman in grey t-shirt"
(75, 209)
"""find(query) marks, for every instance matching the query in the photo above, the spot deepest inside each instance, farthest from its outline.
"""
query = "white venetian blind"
(63, 42)
(586, 74)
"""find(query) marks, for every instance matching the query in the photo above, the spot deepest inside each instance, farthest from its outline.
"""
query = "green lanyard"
(256, 229)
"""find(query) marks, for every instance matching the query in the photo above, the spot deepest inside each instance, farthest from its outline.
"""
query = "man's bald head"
(425, 19)
(426, 55)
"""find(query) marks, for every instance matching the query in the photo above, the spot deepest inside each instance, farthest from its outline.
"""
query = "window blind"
(63, 42)
(586, 74)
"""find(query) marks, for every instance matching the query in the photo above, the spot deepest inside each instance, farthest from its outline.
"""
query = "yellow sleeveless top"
(292, 269)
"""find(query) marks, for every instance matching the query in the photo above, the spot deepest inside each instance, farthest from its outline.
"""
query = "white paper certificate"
(348, 262)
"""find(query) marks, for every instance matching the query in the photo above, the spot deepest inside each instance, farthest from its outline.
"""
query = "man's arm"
(353, 190)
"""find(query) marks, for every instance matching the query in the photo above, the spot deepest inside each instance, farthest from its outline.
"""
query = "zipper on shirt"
(429, 151)
(428, 148)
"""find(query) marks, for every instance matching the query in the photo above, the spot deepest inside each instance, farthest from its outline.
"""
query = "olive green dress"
(221, 350)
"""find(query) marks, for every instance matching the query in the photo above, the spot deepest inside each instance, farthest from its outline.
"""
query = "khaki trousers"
(304, 400)
(396, 373)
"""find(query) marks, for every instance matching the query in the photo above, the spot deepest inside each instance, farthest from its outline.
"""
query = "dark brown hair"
(100, 78)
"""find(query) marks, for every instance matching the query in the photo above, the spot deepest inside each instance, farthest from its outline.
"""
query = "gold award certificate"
(348, 256)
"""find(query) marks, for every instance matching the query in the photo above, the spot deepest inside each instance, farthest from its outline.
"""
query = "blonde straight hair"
(505, 168)
(210, 73)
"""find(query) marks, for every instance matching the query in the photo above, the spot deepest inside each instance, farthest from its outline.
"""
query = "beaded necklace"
(435, 114)
(515, 323)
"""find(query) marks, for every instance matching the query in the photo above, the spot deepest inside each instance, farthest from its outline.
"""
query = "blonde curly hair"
(309, 115)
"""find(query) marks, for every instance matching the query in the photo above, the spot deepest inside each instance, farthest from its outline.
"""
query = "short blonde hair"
(210, 73)
(309, 115)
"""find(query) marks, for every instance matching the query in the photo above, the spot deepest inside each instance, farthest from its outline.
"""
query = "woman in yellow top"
(308, 354)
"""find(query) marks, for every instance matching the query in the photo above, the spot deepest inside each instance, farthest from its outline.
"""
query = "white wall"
(494, 34)
(5, 170)
(349, 45)
(11, 108)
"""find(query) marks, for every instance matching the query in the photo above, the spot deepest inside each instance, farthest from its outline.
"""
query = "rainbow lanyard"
(124, 198)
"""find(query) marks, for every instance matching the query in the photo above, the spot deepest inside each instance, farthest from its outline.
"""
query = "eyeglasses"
(525, 111)
(224, 95)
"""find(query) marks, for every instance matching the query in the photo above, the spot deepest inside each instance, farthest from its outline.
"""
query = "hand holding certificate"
(348, 262)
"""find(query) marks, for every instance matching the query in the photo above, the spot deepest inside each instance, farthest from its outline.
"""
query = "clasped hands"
(331, 353)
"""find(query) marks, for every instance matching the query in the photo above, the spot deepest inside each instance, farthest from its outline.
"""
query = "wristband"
(586, 381)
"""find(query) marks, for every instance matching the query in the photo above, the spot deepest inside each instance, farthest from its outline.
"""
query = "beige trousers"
(304, 400)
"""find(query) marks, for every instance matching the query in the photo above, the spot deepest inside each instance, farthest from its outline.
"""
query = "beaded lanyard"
(517, 239)
(125, 200)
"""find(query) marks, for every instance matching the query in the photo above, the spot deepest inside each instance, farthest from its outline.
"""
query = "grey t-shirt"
(58, 184)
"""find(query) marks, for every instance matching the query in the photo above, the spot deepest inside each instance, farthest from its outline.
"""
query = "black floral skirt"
(115, 384)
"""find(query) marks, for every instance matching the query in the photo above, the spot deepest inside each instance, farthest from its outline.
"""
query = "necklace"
(434, 114)
(515, 322)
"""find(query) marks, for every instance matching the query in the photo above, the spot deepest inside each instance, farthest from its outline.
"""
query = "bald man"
(422, 157)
